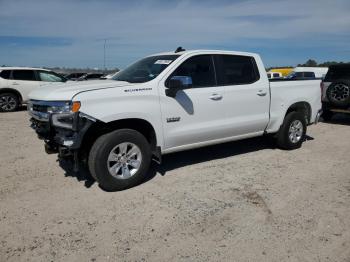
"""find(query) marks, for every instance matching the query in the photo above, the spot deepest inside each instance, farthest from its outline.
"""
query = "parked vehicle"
(283, 70)
(336, 90)
(109, 76)
(17, 82)
(74, 76)
(302, 73)
(166, 103)
(91, 76)
(274, 75)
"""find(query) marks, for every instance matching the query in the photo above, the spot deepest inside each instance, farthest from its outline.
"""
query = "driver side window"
(200, 68)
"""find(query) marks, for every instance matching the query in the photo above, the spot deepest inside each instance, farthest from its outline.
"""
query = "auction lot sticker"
(163, 62)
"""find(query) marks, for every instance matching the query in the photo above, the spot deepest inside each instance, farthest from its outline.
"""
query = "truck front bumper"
(60, 140)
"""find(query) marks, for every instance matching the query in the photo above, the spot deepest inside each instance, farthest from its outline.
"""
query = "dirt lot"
(241, 201)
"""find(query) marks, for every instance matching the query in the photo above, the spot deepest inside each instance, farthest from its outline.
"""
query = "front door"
(196, 114)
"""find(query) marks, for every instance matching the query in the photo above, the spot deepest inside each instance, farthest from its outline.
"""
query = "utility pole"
(104, 56)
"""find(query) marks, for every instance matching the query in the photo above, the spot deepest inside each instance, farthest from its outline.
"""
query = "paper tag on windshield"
(163, 62)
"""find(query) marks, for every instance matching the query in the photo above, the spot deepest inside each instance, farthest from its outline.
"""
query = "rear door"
(23, 80)
(246, 94)
(197, 114)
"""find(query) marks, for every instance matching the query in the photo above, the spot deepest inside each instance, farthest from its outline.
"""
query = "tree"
(310, 63)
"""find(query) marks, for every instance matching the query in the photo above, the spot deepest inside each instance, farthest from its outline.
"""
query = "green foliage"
(313, 63)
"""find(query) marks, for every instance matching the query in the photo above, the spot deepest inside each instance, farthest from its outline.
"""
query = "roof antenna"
(179, 49)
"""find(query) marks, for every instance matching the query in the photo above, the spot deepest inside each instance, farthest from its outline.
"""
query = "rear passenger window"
(200, 69)
(27, 75)
(5, 74)
(236, 70)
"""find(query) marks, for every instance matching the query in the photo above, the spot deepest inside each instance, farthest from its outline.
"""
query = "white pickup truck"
(170, 102)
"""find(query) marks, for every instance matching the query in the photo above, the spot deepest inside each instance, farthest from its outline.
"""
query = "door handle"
(261, 93)
(215, 97)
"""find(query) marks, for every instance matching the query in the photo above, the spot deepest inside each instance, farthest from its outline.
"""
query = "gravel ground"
(241, 201)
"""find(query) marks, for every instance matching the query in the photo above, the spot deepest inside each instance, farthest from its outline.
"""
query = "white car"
(302, 73)
(17, 82)
(274, 75)
(170, 102)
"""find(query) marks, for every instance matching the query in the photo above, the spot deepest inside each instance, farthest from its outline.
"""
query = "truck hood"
(66, 91)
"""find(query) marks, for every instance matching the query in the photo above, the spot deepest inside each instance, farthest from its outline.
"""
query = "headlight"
(64, 120)
(63, 113)
(64, 107)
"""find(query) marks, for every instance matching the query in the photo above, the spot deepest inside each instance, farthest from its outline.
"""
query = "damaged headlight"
(63, 107)
(63, 113)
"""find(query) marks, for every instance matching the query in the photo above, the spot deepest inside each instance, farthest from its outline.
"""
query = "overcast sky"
(71, 33)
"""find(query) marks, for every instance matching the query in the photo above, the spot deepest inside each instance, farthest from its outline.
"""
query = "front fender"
(110, 105)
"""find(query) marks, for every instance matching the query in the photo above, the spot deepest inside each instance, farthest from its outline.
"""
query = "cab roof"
(201, 51)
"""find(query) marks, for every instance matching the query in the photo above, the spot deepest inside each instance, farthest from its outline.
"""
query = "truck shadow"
(220, 151)
(185, 158)
(204, 154)
(83, 175)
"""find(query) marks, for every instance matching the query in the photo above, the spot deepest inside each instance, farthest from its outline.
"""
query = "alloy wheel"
(7, 103)
(295, 132)
(124, 160)
(340, 92)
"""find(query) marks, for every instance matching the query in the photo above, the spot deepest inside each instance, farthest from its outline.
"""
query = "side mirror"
(177, 83)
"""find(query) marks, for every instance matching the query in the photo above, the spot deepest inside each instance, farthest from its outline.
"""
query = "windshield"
(291, 75)
(145, 69)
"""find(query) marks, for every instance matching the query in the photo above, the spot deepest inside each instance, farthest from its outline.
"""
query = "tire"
(327, 115)
(285, 137)
(338, 93)
(9, 102)
(126, 153)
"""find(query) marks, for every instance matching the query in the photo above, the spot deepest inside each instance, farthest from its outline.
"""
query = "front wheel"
(120, 159)
(292, 132)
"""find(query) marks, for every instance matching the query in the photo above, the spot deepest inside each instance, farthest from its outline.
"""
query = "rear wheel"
(8, 102)
(292, 132)
(120, 159)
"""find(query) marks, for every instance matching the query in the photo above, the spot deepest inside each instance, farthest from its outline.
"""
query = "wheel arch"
(99, 128)
(302, 107)
(13, 91)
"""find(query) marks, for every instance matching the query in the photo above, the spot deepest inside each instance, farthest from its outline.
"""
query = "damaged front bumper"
(63, 132)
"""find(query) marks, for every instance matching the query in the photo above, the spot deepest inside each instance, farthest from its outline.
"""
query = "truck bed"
(287, 92)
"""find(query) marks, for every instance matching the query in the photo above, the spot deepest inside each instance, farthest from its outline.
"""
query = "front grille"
(39, 108)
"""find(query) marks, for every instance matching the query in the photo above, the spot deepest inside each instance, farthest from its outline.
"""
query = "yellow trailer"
(284, 71)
